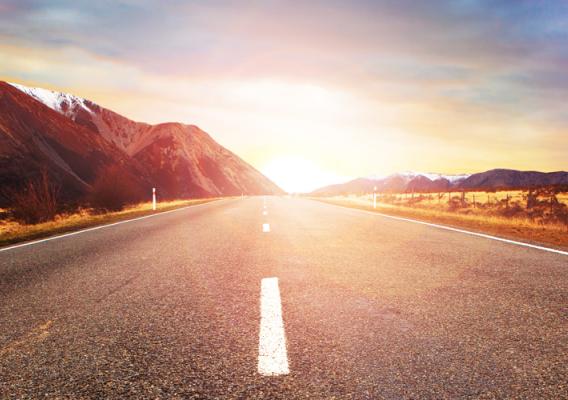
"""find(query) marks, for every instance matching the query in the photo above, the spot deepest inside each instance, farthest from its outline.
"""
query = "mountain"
(510, 178)
(74, 138)
(188, 162)
(34, 137)
(355, 186)
(423, 184)
(112, 126)
(429, 182)
(399, 182)
(410, 175)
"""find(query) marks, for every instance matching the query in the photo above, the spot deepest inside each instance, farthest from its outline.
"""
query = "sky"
(317, 92)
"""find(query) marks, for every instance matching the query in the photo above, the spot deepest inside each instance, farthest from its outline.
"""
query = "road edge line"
(449, 228)
(94, 228)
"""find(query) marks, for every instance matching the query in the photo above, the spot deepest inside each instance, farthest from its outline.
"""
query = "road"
(366, 307)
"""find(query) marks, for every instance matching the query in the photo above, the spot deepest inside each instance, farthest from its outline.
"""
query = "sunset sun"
(296, 174)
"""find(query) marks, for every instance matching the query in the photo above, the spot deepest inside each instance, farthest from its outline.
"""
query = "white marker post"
(375, 197)
(154, 199)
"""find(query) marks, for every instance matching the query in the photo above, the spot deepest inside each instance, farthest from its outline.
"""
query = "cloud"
(399, 75)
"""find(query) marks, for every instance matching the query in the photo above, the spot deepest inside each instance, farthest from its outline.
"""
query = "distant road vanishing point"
(277, 297)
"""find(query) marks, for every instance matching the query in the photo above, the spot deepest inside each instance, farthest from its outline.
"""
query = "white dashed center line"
(266, 227)
(272, 354)
(265, 212)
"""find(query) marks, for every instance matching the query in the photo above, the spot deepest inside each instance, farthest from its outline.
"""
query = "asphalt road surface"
(185, 305)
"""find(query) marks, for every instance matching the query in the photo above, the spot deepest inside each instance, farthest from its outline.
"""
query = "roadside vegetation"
(12, 231)
(36, 210)
(537, 215)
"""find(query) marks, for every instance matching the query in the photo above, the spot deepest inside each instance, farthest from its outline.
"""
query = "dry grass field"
(537, 217)
(12, 231)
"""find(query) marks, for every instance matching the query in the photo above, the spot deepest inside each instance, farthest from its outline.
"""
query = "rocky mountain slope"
(74, 138)
(34, 137)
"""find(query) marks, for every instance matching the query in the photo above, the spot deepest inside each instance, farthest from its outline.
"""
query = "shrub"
(455, 203)
(511, 210)
(113, 189)
(37, 201)
(558, 211)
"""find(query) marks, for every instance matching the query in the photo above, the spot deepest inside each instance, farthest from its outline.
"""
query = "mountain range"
(430, 182)
(75, 139)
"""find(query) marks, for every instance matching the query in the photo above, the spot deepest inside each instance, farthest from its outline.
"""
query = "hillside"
(74, 138)
(35, 137)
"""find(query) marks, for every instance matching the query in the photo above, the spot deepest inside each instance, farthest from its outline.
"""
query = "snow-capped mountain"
(435, 176)
(410, 175)
(411, 181)
(34, 137)
(120, 130)
(75, 138)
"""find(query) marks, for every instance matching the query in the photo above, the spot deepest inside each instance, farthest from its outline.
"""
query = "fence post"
(154, 199)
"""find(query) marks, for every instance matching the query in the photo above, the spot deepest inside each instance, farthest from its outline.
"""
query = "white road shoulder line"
(266, 227)
(272, 354)
(104, 226)
(449, 228)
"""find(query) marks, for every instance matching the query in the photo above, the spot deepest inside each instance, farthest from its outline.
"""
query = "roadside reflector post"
(375, 197)
(154, 199)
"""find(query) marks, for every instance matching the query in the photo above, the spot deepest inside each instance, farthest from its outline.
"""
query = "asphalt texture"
(373, 308)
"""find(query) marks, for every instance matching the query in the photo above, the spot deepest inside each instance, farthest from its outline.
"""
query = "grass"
(485, 198)
(13, 232)
(483, 219)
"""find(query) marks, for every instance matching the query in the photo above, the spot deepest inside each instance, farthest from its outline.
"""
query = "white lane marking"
(104, 226)
(449, 228)
(266, 227)
(265, 213)
(272, 354)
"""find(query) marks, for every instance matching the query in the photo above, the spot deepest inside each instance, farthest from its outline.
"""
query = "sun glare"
(298, 175)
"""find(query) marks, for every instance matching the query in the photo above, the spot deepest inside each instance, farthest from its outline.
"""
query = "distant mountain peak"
(433, 176)
(423, 182)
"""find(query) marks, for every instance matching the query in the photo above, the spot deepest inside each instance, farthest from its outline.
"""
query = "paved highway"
(281, 298)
